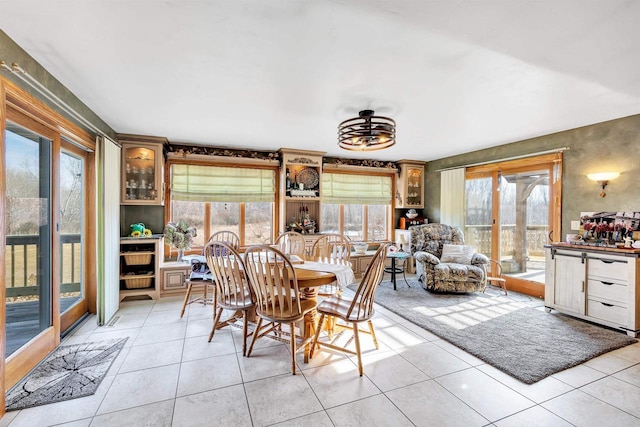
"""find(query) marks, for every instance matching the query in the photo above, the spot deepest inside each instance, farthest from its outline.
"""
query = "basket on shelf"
(133, 282)
(138, 258)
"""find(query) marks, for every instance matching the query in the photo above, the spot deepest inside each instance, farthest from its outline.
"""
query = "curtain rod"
(505, 159)
(23, 75)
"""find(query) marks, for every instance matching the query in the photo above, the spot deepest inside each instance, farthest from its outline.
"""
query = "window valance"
(338, 188)
(198, 183)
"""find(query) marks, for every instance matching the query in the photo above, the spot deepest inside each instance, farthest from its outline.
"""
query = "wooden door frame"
(75, 312)
(553, 164)
(15, 100)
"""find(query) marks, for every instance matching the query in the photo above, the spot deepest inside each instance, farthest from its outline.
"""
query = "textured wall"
(601, 147)
(10, 52)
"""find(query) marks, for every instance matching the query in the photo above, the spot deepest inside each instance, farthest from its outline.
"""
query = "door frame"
(16, 101)
(552, 163)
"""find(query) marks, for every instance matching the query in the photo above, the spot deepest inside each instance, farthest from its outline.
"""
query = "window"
(215, 198)
(358, 206)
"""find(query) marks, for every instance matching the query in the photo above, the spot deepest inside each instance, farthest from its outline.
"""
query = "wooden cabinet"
(140, 266)
(142, 170)
(597, 285)
(300, 181)
(410, 188)
(173, 276)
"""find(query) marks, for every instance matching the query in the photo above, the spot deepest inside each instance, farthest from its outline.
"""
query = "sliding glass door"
(28, 236)
(512, 210)
(71, 191)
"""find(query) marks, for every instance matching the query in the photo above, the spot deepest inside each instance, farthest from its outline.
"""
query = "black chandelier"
(367, 132)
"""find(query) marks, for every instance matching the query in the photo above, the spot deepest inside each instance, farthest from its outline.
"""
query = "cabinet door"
(142, 174)
(568, 283)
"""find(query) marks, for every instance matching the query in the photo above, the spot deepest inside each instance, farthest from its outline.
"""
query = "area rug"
(69, 372)
(512, 333)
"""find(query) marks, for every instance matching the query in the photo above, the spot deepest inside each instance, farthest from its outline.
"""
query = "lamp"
(603, 179)
(367, 132)
(403, 240)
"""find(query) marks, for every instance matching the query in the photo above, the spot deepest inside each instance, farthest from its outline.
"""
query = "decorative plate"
(309, 177)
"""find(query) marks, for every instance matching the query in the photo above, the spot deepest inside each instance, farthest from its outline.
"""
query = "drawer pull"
(606, 261)
(606, 283)
(606, 305)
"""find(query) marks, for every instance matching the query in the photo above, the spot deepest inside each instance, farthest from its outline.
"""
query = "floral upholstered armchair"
(443, 262)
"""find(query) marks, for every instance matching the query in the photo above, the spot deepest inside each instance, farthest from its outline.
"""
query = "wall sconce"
(603, 179)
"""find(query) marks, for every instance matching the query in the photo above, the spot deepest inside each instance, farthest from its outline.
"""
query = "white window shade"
(338, 188)
(452, 194)
(196, 183)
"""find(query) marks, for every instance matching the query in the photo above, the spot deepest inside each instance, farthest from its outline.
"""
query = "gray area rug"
(512, 333)
(69, 372)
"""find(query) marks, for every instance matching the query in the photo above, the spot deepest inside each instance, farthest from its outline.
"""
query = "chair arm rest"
(426, 257)
(479, 259)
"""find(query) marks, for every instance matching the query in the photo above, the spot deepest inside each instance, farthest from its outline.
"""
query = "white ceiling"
(456, 75)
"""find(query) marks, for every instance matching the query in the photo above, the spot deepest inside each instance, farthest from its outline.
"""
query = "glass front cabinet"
(142, 170)
(410, 188)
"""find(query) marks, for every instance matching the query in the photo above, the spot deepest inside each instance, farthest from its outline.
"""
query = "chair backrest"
(228, 271)
(226, 236)
(431, 237)
(274, 282)
(292, 243)
(362, 303)
(335, 246)
(495, 269)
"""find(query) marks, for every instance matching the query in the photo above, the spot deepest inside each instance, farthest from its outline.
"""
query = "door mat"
(69, 372)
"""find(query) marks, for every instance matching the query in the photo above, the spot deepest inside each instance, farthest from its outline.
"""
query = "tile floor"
(169, 375)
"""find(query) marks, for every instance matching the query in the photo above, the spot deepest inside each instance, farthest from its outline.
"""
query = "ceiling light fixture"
(367, 132)
(603, 179)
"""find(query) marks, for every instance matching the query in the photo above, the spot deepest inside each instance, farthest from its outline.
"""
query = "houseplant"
(180, 236)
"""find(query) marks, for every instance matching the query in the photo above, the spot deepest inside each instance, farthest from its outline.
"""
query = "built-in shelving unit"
(140, 267)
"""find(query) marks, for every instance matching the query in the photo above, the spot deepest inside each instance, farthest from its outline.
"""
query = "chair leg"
(373, 333)
(315, 339)
(245, 330)
(186, 299)
(254, 336)
(357, 339)
(293, 347)
(216, 319)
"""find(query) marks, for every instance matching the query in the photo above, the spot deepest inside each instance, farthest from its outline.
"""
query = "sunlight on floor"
(471, 313)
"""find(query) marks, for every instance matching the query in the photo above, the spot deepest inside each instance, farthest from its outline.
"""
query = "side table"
(396, 269)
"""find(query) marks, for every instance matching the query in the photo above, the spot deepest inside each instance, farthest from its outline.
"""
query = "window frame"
(207, 205)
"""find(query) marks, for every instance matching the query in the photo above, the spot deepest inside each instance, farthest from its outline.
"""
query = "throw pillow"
(460, 254)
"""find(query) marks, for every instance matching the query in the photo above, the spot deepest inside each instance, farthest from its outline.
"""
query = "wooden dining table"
(308, 283)
(309, 280)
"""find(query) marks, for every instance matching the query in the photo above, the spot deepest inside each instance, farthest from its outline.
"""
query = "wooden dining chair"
(353, 310)
(292, 243)
(226, 236)
(203, 278)
(331, 247)
(493, 276)
(232, 288)
(274, 283)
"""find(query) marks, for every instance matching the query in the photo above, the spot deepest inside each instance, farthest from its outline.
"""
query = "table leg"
(393, 272)
(309, 326)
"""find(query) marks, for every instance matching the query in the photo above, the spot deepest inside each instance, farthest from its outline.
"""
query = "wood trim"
(520, 165)
(56, 254)
(90, 253)
(25, 359)
(3, 201)
(20, 100)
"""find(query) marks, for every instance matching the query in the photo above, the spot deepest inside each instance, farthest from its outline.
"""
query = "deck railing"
(22, 253)
(479, 236)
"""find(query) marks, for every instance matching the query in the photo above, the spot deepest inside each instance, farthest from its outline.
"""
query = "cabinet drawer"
(608, 290)
(616, 271)
(607, 311)
(364, 263)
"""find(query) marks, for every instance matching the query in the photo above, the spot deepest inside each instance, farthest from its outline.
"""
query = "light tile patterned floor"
(169, 375)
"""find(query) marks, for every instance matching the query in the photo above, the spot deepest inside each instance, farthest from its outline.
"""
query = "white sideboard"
(595, 284)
